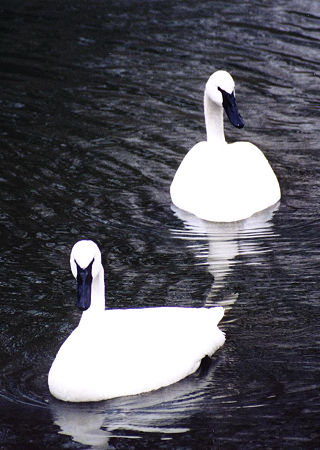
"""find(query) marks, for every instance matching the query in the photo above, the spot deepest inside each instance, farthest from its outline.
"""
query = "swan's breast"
(225, 184)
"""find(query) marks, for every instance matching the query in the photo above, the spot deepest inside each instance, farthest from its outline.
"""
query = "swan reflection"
(217, 245)
(167, 411)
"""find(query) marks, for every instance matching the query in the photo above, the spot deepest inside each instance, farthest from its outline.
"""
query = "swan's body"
(223, 182)
(114, 353)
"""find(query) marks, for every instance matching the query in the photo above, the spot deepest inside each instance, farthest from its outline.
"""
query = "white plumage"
(123, 352)
(222, 182)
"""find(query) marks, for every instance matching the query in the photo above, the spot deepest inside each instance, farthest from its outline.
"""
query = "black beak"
(231, 109)
(84, 281)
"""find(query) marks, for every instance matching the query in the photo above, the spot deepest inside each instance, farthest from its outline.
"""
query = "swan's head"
(220, 90)
(85, 262)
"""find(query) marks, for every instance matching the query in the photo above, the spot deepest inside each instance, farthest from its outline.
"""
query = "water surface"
(99, 103)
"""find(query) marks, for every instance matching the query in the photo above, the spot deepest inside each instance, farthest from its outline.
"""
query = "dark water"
(99, 102)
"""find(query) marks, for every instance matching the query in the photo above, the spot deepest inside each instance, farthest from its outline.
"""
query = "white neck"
(214, 121)
(98, 302)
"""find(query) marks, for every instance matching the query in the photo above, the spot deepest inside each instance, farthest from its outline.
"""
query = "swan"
(222, 182)
(114, 353)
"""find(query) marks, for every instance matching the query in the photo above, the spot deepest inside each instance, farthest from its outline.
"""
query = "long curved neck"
(213, 115)
(97, 297)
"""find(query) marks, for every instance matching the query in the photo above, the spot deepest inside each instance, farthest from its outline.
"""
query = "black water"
(99, 102)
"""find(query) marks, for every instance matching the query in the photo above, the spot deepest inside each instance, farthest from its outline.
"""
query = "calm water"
(99, 103)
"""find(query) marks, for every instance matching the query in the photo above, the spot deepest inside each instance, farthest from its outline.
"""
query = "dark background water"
(100, 100)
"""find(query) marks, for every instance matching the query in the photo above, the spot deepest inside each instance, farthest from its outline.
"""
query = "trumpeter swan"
(121, 352)
(222, 182)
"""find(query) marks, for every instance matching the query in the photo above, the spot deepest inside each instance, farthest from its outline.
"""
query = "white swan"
(113, 353)
(223, 182)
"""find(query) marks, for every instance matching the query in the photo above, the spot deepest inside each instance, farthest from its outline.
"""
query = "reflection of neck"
(97, 297)
(214, 120)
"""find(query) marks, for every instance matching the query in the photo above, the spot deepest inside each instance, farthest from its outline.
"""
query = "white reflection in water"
(218, 244)
(164, 411)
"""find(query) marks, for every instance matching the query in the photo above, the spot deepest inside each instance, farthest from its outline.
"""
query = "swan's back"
(125, 352)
